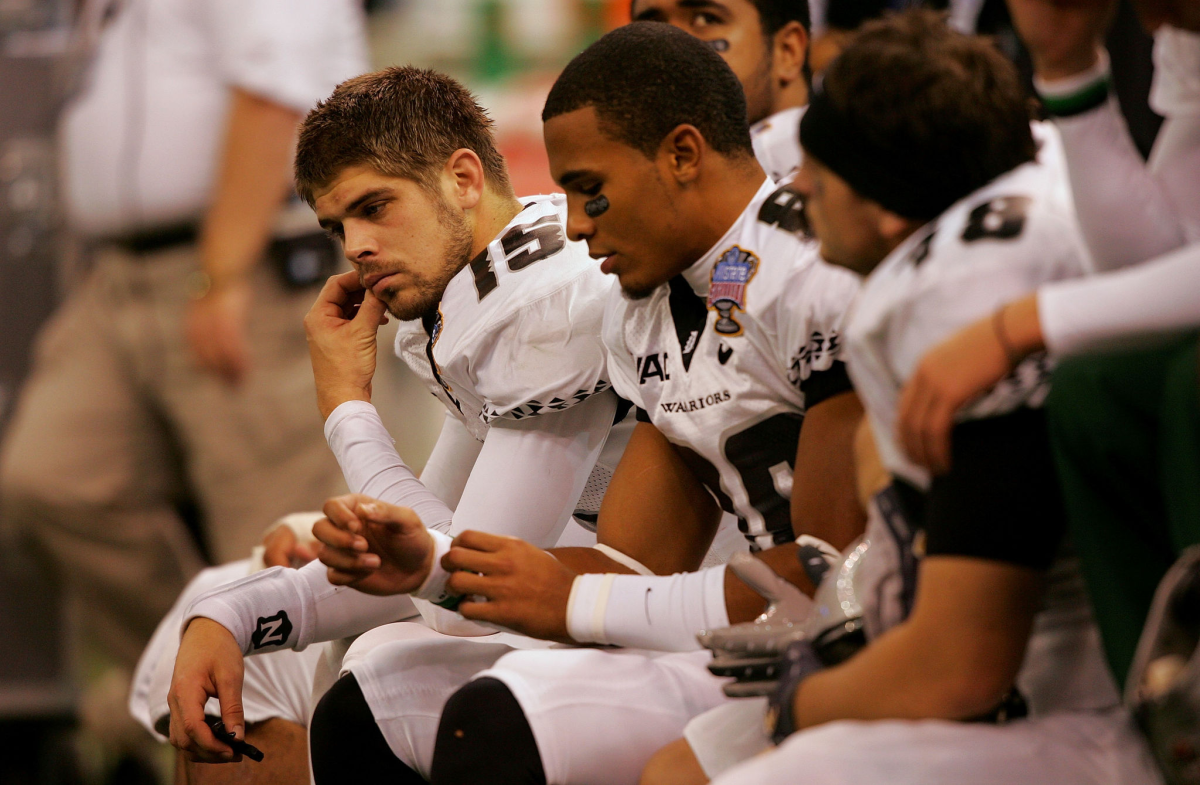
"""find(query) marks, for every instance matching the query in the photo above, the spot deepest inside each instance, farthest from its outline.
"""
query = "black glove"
(799, 662)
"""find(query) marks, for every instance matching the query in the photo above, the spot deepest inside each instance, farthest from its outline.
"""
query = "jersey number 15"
(523, 246)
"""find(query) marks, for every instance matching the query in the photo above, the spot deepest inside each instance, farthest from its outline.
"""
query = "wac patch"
(727, 290)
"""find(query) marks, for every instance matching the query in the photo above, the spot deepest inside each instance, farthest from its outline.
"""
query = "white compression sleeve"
(659, 612)
(1125, 214)
(1119, 308)
(282, 608)
(1175, 94)
(530, 472)
(1129, 210)
(365, 451)
(526, 482)
(451, 461)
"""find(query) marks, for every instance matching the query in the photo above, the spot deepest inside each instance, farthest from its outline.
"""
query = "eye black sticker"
(597, 206)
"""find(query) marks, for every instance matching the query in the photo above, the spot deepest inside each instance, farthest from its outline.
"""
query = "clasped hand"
(375, 547)
(379, 548)
(510, 583)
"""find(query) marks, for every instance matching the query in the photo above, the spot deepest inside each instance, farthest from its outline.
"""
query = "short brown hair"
(403, 122)
(940, 106)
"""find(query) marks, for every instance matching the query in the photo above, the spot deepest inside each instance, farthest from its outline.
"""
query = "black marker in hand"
(239, 747)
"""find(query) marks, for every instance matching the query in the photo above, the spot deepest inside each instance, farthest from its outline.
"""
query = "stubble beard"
(424, 295)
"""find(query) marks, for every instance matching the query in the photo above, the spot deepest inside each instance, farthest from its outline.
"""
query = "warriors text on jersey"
(988, 249)
(724, 359)
(518, 330)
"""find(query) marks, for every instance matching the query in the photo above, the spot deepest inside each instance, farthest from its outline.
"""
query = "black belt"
(158, 239)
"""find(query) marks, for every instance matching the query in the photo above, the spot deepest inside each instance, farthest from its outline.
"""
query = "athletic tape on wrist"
(433, 589)
(660, 612)
(586, 606)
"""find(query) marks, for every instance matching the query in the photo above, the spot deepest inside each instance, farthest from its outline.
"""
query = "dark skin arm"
(824, 492)
(657, 511)
(954, 657)
(824, 499)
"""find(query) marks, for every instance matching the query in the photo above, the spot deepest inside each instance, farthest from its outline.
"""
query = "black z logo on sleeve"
(272, 630)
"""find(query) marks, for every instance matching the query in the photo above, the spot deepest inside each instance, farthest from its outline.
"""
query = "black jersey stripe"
(823, 385)
(689, 312)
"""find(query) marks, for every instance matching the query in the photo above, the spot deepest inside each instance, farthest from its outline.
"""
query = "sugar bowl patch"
(727, 291)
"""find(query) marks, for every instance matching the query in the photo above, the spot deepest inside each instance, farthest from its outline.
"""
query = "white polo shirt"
(141, 141)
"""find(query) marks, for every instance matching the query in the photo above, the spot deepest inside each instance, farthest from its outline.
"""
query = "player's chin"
(634, 288)
(409, 303)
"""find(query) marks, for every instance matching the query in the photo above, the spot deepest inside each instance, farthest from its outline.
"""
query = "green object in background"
(1125, 427)
(494, 61)
(592, 12)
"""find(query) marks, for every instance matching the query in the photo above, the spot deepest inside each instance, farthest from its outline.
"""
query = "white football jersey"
(518, 329)
(776, 141)
(993, 247)
(990, 248)
(724, 358)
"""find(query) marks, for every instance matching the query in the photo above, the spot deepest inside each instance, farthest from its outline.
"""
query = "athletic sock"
(484, 738)
(347, 747)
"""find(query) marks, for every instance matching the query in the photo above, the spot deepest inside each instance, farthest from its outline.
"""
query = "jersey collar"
(699, 275)
(785, 118)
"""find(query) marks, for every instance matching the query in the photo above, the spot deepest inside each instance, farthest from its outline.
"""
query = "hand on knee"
(285, 749)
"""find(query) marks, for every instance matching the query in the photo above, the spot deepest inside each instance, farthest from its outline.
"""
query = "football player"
(996, 674)
(1131, 211)
(771, 148)
(726, 336)
(765, 42)
(500, 315)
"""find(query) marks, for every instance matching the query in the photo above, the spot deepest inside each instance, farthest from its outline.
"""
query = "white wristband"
(433, 589)
(660, 612)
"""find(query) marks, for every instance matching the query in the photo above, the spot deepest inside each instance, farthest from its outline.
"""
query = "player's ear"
(790, 53)
(894, 228)
(464, 177)
(683, 149)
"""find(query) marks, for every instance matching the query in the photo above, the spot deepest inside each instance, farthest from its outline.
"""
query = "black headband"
(910, 183)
